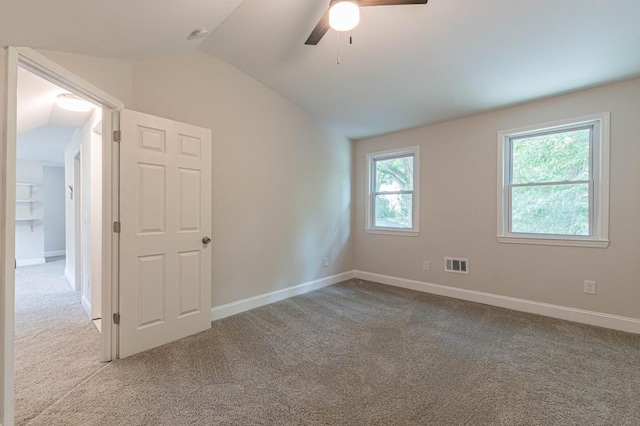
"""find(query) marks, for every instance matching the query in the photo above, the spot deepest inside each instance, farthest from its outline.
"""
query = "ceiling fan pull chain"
(350, 37)
(338, 57)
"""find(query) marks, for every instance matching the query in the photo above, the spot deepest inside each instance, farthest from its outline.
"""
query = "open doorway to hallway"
(58, 243)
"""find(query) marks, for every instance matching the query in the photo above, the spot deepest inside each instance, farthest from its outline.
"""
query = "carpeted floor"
(360, 353)
(56, 346)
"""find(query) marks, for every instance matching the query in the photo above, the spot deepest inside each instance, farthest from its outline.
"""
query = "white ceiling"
(37, 105)
(420, 64)
(124, 29)
(44, 143)
(44, 129)
(408, 66)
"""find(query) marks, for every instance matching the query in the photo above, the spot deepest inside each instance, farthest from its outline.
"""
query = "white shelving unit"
(30, 201)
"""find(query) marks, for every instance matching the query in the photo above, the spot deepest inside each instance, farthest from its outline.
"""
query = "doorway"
(29, 60)
(165, 257)
(57, 247)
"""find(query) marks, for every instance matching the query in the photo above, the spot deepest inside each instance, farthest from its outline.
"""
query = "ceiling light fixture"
(74, 103)
(344, 15)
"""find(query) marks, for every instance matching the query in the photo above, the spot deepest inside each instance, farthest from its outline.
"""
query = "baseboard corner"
(600, 319)
(30, 262)
(233, 308)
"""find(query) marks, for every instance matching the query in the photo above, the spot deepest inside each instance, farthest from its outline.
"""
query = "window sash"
(569, 128)
(510, 185)
(393, 192)
(373, 211)
(374, 177)
(590, 234)
(373, 194)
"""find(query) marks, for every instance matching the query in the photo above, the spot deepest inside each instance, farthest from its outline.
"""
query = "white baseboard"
(70, 278)
(55, 253)
(29, 262)
(86, 305)
(223, 311)
(630, 325)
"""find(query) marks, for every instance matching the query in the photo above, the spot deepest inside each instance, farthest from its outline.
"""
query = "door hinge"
(117, 135)
(116, 318)
(116, 227)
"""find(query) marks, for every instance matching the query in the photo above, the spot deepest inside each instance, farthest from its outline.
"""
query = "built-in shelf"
(27, 219)
(30, 201)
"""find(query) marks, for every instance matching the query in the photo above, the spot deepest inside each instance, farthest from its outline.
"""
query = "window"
(554, 183)
(393, 200)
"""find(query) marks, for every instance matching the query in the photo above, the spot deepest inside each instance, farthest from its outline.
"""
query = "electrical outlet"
(589, 287)
(325, 261)
(425, 265)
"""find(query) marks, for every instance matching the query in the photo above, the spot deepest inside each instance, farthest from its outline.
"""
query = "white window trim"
(409, 232)
(600, 173)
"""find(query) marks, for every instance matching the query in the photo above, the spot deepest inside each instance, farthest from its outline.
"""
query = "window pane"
(551, 158)
(394, 211)
(395, 174)
(550, 209)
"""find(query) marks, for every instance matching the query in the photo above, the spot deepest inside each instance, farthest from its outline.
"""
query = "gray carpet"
(57, 346)
(366, 354)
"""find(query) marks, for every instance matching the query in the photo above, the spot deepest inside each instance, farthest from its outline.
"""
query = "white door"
(165, 212)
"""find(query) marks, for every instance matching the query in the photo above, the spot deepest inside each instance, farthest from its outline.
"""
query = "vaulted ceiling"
(408, 65)
(37, 105)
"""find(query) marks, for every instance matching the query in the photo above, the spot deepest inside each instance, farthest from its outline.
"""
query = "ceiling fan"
(344, 15)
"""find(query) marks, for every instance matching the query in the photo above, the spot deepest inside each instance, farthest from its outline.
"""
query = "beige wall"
(458, 212)
(110, 75)
(281, 183)
(282, 188)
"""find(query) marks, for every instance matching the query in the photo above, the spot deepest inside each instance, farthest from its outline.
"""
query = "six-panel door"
(165, 212)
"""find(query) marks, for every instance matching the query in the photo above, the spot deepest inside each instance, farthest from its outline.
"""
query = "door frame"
(77, 222)
(44, 67)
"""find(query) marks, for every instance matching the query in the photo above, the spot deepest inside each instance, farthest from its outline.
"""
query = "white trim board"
(86, 305)
(233, 308)
(70, 279)
(55, 253)
(615, 322)
(30, 262)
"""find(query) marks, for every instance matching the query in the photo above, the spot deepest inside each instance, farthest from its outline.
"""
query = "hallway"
(56, 345)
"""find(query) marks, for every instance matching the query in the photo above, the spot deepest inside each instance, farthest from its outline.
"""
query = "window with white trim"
(554, 183)
(393, 200)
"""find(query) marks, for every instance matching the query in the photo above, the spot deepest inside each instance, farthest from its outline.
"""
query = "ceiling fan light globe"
(344, 15)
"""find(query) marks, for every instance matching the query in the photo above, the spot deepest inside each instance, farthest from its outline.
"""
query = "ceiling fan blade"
(366, 3)
(320, 30)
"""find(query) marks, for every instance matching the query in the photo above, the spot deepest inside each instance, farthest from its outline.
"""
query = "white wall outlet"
(425, 265)
(325, 261)
(589, 287)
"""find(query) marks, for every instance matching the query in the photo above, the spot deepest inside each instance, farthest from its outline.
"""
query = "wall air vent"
(457, 265)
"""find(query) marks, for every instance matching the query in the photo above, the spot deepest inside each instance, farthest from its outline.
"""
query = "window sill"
(408, 233)
(568, 242)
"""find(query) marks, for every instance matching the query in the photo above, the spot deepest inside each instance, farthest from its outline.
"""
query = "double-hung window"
(554, 183)
(393, 200)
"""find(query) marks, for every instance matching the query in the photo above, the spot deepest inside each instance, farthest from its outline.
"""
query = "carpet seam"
(67, 394)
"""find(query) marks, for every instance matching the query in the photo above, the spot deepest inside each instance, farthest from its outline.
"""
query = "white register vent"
(457, 265)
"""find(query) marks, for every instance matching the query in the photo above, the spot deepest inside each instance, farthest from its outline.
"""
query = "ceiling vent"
(457, 265)
(198, 33)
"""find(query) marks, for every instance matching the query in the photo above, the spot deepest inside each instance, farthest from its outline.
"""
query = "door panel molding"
(165, 274)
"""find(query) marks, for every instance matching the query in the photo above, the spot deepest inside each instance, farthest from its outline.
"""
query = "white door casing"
(165, 212)
(45, 68)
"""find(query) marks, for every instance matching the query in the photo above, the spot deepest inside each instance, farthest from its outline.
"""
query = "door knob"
(206, 240)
